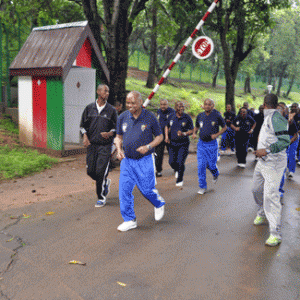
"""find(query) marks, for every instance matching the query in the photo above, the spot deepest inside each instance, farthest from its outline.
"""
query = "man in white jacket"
(271, 150)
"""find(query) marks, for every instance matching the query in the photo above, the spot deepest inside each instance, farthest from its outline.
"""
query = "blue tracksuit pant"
(228, 134)
(140, 172)
(291, 154)
(207, 154)
(177, 158)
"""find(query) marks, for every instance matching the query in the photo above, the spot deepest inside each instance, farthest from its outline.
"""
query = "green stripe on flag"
(55, 113)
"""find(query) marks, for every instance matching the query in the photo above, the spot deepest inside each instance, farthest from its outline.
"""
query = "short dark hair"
(282, 103)
(271, 100)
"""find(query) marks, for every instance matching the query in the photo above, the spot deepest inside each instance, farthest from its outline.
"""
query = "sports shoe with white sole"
(259, 220)
(215, 179)
(273, 241)
(100, 203)
(202, 191)
(159, 212)
(242, 165)
(179, 183)
(127, 225)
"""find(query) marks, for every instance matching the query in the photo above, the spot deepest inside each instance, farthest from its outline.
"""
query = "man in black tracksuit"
(98, 127)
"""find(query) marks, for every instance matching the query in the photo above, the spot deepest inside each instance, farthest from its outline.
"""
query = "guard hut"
(58, 69)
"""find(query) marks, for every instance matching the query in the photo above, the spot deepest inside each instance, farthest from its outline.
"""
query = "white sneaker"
(232, 152)
(127, 225)
(242, 165)
(179, 183)
(176, 175)
(202, 191)
(159, 213)
(222, 152)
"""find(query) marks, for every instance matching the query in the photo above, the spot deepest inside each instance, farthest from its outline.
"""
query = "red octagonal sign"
(203, 47)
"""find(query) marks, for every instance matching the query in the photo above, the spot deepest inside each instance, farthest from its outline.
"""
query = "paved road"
(205, 247)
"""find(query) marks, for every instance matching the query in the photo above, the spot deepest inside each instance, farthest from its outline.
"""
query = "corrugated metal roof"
(51, 50)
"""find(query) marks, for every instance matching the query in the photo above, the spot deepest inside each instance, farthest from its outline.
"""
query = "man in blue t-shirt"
(243, 125)
(163, 113)
(135, 130)
(177, 131)
(208, 123)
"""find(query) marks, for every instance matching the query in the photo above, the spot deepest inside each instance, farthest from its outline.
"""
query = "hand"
(106, 135)
(167, 140)
(142, 149)
(194, 135)
(120, 155)
(237, 128)
(86, 141)
(179, 133)
(260, 152)
(214, 136)
(251, 131)
(291, 116)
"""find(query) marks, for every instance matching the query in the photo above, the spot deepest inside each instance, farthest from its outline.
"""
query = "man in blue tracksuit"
(135, 130)
(207, 150)
(229, 116)
(179, 127)
(163, 113)
(294, 130)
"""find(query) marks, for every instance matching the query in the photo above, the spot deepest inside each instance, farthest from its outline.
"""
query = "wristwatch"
(149, 147)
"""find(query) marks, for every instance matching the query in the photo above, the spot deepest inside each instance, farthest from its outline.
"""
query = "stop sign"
(203, 47)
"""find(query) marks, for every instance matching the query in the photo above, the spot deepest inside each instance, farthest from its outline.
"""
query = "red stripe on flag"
(194, 33)
(39, 111)
(151, 95)
(172, 65)
(182, 49)
(205, 16)
(161, 81)
(216, 1)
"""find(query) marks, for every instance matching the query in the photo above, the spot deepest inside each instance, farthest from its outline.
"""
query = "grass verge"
(15, 159)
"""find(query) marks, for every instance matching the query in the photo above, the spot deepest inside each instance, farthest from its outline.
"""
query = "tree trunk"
(291, 85)
(153, 49)
(215, 75)
(247, 87)
(118, 22)
(280, 80)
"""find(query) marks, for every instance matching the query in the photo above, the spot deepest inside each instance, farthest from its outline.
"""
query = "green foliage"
(8, 125)
(18, 162)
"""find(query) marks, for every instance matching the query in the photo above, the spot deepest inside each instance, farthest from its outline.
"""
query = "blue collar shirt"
(137, 132)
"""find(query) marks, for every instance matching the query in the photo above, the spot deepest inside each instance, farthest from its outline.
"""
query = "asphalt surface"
(205, 247)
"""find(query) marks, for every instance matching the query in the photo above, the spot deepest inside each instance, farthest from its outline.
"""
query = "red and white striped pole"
(188, 41)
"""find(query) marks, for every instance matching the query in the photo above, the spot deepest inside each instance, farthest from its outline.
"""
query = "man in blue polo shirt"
(207, 150)
(229, 116)
(243, 125)
(135, 130)
(163, 113)
(179, 128)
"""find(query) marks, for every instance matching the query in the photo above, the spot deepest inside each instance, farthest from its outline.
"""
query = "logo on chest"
(183, 124)
(213, 123)
(201, 124)
(171, 122)
(124, 127)
(143, 127)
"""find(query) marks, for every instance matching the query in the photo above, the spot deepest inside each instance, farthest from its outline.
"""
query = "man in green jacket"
(273, 141)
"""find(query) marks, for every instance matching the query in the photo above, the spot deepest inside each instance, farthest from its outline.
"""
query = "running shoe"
(202, 191)
(259, 220)
(159, 213)
(215, 179)
(100, 203)
(179, 183)
(273, 241)
(158, 174)
(127, 225)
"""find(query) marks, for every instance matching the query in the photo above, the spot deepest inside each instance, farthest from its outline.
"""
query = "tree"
(115, 22)
(238, 24)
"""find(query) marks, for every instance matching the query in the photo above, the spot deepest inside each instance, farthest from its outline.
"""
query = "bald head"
(134, 102)
(208, 105)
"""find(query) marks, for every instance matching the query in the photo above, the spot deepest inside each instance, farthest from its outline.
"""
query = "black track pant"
(159, 150)
(97, 161)
(241, 146)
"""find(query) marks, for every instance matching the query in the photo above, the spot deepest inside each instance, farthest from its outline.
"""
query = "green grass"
(193, 95)
(16, 160)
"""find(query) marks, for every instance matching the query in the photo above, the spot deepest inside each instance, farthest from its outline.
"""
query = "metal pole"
(1, 70)
(7, 66)
(188, 41)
